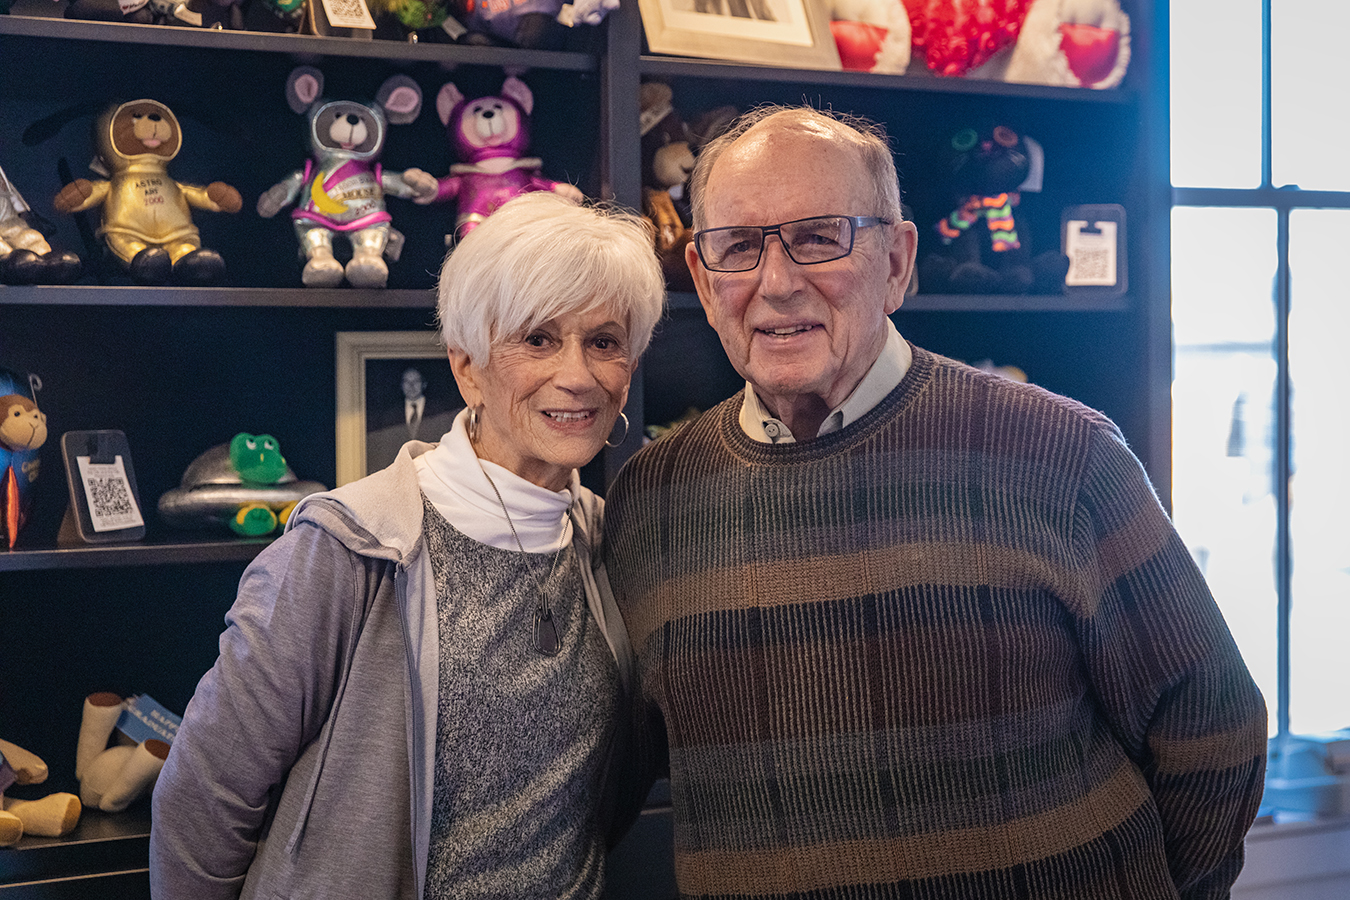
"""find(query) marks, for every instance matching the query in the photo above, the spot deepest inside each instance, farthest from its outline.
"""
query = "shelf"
(101, 843)
(124, 295)
(975, 303)
(300, 45)
(680, 67)
(332, 298)
(158, 550)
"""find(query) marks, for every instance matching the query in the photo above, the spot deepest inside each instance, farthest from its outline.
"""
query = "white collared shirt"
(887, 372)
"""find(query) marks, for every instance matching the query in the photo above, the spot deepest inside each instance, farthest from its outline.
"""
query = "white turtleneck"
(455, 480)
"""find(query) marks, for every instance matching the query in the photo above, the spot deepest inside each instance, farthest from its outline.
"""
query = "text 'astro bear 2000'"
(146, 222)
(341, 189)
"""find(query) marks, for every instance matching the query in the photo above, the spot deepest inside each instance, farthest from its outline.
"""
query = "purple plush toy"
(489, 135)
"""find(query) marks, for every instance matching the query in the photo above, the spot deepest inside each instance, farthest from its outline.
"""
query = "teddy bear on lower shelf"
(52, 816)
(112, 777)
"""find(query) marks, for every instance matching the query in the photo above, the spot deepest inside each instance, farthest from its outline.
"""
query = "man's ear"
(702, 283)
(903, 249)
(466, 377)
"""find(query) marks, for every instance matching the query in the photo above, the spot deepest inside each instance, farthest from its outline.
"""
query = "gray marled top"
(521, 738)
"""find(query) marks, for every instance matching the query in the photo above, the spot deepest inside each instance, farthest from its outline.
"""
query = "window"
(1261, 322)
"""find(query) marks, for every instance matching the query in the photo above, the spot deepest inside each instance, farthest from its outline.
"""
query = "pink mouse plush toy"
(489, 135)
(341, 189)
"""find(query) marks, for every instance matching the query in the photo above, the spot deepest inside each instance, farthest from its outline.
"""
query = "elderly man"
(912, 630)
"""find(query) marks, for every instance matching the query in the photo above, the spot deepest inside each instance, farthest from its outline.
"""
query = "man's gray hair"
(867, 136)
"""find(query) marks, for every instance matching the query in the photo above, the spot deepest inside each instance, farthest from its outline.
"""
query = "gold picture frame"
(369, 367)
(795, 33)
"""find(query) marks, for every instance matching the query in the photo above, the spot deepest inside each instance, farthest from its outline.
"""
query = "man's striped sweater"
(955, 650)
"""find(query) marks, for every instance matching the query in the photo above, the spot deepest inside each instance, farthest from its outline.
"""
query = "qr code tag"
(112, 506)
(1091, 248)
(348, 14)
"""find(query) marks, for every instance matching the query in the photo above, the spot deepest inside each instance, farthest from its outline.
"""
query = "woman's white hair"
(541, 256)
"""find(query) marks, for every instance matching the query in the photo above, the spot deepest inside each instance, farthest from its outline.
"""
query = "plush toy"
(871, 35)
(276, 16)
(112, 777)
(1012, 373)
(54, 815)
(531, 24)
(984, 251)
(667, 160)
(1076, 43)
(488, 134)
(23, 429)
(146, 222)
(25, 255)
(341, 189)
(413, 20)
(1071, 43)
(245, 484)
(198, 13)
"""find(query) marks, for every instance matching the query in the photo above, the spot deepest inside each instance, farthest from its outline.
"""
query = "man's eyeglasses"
(819, 239)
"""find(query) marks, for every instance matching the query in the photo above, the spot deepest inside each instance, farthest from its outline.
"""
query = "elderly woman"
(420, 686)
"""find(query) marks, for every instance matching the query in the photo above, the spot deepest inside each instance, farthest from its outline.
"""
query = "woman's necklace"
(546, 639)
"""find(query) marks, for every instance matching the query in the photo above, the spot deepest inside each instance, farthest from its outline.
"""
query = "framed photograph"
(793, 33)
(392, 387)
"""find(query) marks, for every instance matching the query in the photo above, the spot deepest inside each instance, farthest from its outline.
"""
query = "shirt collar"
(885, 374)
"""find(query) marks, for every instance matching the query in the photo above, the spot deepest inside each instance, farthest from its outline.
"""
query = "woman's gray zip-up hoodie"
(304, 764)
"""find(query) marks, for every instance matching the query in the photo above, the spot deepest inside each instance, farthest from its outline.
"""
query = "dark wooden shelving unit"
(181, 369)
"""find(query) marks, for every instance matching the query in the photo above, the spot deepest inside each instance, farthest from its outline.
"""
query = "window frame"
(1283, 200)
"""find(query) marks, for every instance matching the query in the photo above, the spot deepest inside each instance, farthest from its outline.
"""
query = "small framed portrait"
(392, 387)
(794, 33)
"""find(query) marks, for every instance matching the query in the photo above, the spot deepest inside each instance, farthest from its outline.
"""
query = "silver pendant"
(546, 632)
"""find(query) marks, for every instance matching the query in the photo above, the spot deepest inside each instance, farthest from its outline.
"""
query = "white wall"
(1297, 861)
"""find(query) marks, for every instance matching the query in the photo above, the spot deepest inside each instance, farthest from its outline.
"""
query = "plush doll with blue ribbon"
(54, 815)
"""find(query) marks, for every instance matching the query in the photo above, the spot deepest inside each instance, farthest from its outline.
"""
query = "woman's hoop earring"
(625, 432)
(475, 425)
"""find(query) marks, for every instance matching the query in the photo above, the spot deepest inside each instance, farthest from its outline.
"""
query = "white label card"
(1091, 248)
(348, 14)
(112, 507)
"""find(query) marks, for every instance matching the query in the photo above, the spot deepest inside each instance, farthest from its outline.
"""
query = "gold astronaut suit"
(142, 205)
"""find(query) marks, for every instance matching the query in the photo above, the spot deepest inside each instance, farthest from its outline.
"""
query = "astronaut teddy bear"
(488, 134)
(341, 188)
(147, 223)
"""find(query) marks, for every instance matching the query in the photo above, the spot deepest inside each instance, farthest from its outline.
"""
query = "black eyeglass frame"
(856, 222)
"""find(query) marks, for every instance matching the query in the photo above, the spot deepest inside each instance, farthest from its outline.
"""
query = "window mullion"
(1282, 462)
